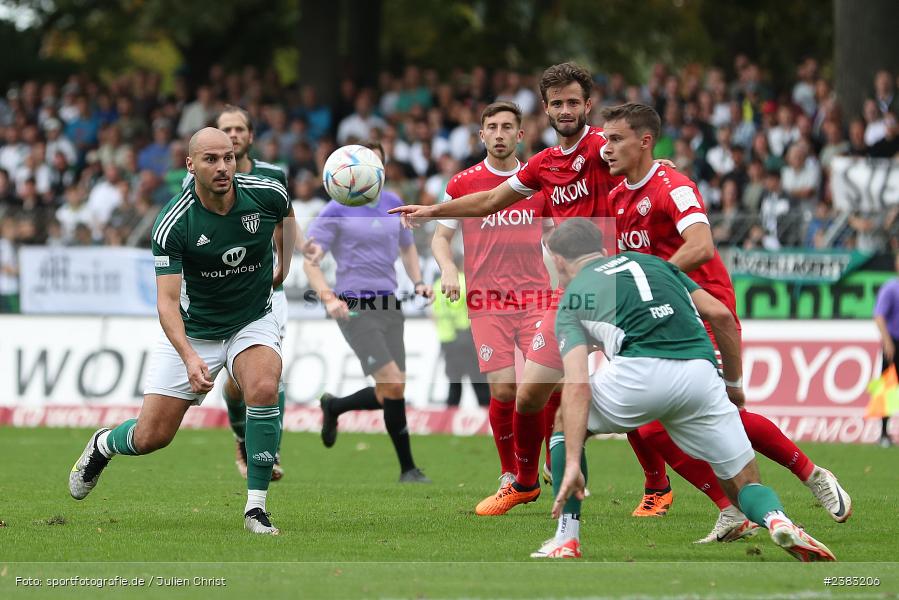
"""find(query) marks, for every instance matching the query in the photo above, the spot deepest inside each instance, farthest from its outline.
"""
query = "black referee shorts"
(375, 331)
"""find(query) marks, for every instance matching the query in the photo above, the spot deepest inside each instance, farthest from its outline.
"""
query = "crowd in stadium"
(91, 163)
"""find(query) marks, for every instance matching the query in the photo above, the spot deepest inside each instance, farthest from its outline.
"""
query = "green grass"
(349, 530)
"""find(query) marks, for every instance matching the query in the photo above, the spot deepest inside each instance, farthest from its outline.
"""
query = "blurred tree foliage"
(230, 32)
(611, 35)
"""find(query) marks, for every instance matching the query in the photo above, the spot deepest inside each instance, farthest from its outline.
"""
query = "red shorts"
(544, 348)
(497, 335)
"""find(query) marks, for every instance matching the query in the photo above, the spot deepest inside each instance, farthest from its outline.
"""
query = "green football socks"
(263, 437)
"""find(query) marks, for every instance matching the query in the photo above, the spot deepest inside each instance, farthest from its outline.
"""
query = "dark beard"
(578, 126)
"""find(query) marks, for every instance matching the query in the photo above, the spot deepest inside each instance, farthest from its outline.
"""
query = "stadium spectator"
(784, 133)
(58, 142)
(774, 207)
(834, 144)
(73, 212)
(155, 155)
(885, 92)
(801, 177)
(198, 113)
(106, 195)
(358, 125)
(720, 157)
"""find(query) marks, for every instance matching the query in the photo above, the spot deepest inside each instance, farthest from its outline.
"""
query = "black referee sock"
(363, 399)
(395, 421)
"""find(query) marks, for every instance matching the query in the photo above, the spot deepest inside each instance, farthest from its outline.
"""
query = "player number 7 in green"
(639, 278)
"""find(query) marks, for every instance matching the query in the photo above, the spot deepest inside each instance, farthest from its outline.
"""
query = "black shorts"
(375, 332)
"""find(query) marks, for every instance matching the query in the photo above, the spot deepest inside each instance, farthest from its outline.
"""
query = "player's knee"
(151, 439)
(529, 399)
(504, 392)
(393, 389)
(263, 392)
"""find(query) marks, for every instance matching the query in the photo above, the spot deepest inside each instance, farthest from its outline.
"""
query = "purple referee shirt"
(888, 306)
(364, 241)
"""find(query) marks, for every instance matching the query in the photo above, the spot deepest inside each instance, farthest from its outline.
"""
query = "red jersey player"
(508, 288)
(576, 183)
(660, 211)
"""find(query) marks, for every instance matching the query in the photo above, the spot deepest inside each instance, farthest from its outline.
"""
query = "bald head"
(207, 138)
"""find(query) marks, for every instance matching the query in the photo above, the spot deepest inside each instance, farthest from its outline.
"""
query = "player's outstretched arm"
(441, 247)
(168, 304)
(724, 326)
(698, 248)
(479, 204)
(285, 237)
(575, 409)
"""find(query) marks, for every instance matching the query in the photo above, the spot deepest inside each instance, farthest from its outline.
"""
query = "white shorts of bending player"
(279, 309)
(167, 374)
(687, 396)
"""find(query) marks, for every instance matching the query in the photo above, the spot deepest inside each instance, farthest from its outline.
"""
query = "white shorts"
(167, 374)
(687, 396)
(279, 309)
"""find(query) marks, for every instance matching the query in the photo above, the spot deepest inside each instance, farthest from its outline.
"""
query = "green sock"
(757, 500)
(263, 436)
(237, 414)
(557, 460)
(282, 400)
(119, 439)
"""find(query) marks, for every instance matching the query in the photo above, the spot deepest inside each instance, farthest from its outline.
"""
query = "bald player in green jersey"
(645, 315)
(212, 248)
(237, 125)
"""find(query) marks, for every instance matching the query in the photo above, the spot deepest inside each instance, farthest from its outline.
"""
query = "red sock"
(500, 414)
(528, 435)
(768, 439)
(549, 419)
(695, 471)
(652, 462)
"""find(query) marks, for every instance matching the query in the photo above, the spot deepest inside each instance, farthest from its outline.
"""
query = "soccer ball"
(353, 175)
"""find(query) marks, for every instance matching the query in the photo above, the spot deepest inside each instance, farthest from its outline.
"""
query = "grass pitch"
(171, 524)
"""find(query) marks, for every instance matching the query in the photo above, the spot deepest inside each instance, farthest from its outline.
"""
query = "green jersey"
(633, 304)
(225, 260)
(260, 168)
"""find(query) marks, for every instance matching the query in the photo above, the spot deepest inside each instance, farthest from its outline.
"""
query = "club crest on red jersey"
(485, 352)
(644, 205)
(539, 342)
(578, 163)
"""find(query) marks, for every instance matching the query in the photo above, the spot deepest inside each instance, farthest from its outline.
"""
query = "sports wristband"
(734, 384)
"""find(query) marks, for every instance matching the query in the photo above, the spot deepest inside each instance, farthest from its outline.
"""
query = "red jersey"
(503, 253)
(650, 217)
(576, 181)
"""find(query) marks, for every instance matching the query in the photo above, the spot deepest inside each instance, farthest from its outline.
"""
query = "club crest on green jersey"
(251, 222)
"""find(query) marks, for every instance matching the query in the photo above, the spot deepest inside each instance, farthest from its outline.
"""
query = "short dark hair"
(575, 238)
(501, 106)
(562, 74)
(233, 108)
(639, 117)
(377, 147)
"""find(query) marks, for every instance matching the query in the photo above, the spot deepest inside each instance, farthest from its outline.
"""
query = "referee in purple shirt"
(365, 242)
(886, 316)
